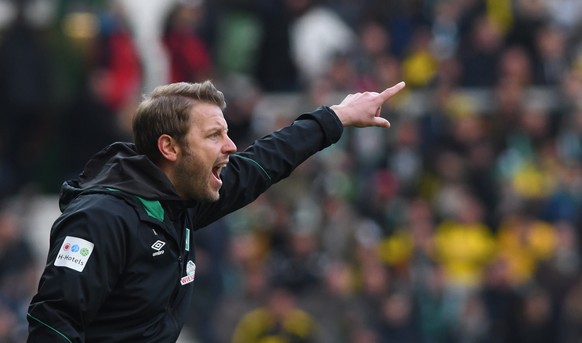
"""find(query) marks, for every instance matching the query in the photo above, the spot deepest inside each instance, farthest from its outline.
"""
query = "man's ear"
(168, 147)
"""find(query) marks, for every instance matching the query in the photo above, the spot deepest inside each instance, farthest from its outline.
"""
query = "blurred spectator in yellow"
(279, 320)
(524, 241)
(527, 165)
(419, 65)
(410, 248)
(464, 244)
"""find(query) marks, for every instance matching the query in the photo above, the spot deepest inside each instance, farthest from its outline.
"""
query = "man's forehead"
(207, 114)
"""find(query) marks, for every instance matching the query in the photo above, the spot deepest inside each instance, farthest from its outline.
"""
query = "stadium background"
(461, 223)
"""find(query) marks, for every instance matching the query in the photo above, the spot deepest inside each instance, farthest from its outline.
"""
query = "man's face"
(203, 155)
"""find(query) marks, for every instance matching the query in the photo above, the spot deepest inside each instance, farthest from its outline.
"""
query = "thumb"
(381, 122)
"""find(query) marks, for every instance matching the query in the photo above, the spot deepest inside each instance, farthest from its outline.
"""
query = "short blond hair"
(166, 110)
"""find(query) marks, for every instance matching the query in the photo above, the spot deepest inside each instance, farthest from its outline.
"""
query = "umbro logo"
(158, 245)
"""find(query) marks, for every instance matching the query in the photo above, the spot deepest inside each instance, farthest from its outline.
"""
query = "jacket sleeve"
(269, 160)
(82, 267)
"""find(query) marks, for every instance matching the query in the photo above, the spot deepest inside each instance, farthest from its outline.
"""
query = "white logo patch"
(74, 253)
(190, 271)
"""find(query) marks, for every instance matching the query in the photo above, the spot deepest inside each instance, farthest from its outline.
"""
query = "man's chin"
(216, 197)
(213, 196)
(207, 197)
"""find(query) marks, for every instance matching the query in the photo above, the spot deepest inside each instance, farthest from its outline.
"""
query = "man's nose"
(229, 146)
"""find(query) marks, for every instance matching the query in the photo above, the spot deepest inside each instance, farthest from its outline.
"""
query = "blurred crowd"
(459, 224)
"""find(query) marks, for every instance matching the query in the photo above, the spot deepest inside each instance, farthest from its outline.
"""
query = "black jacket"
(121, 261)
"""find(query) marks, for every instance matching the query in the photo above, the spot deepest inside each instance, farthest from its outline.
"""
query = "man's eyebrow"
(215, 127)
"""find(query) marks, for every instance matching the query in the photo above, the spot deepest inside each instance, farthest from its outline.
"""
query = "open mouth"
(217, 169)
(216, 172)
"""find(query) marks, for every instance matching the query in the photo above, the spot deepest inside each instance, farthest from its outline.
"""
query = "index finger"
(389, 92)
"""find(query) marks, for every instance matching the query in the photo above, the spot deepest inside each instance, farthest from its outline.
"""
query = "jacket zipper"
(181, 250)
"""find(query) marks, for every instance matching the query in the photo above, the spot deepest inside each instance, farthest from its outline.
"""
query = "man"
(121, 261)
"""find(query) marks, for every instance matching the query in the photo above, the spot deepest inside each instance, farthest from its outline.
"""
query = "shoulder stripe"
(50, 327)
(256, 163)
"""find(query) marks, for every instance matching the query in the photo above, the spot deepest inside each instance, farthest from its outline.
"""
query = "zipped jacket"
(121, 260)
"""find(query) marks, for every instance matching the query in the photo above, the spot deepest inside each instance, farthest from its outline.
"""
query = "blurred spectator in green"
(239, 33)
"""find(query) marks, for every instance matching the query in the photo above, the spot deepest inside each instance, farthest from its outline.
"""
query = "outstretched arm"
(363, 109)
(273, 157)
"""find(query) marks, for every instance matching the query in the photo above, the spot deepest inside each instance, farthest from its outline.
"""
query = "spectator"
(25, 94)
(501, 300)
(496, 115)
(554, 60)
(464, 245)
(189, 56)
(525, 241)
(317, 35)
(572, 313)
(479, 54)
(114, 56)
(275, 69)
(397, 319)
(278, 320)
(536, 322)
(17, 274)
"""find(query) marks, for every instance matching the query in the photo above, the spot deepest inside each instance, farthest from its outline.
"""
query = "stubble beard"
(192, 178)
